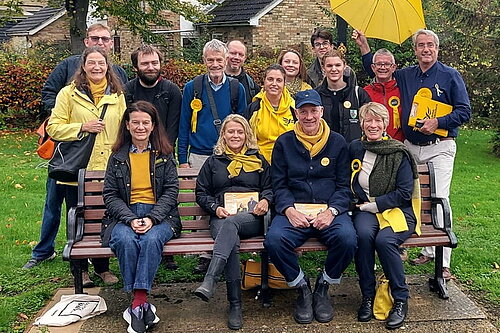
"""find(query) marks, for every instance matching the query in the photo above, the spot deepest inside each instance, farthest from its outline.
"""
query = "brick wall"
(58, 31)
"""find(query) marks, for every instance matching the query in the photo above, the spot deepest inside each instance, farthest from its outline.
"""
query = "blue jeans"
(51, 220)
(283, 238)
(139, 255)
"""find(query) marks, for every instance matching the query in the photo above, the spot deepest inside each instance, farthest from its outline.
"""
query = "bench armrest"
(74, 230)
(267, 220)
(445, 206)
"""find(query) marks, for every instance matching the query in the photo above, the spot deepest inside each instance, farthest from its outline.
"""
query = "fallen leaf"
(8, 226)
(18, 186)
(55, 279)
(33, 243)
(496, 265)
(23, 316)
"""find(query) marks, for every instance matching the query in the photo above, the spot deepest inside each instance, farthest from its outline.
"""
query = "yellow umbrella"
(392, 20)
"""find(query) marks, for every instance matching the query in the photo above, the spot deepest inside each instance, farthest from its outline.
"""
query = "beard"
(148, 78)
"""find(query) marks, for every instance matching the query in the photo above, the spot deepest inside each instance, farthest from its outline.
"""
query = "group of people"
(337, 145)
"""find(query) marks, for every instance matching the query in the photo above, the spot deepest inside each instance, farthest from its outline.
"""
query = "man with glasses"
(322, 42)
(310, 165)
(384, 90)
(447, 86)
(97, 35)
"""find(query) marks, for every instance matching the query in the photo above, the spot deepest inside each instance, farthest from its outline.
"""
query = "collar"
(428, 72)
(217, 86)
(134, 150)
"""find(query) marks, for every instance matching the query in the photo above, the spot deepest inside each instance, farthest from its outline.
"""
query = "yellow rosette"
(196, 105)
(394, 104)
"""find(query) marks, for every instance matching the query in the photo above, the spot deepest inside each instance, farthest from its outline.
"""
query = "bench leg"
(76, 270)
(438, 284)
(264, 292)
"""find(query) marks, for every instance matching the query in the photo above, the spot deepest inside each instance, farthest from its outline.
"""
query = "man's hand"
(361, 40)
(184, 165)
(297, 219)
(221, 212)
(142, 225)
(323, 220)
(429, 126)
(261, 208)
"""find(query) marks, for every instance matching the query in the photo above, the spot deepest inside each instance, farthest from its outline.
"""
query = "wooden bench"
(84, 226)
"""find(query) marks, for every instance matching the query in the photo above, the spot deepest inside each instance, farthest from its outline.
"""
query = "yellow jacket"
(74, 108)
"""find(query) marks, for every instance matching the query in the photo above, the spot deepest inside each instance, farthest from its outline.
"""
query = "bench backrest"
(91, 183)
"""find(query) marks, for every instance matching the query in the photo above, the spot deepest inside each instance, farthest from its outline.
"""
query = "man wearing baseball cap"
(310, 175)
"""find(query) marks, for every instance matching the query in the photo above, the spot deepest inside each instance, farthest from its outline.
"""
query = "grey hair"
(384, 52)
(375, 109)
(215, 45)
(427, 33)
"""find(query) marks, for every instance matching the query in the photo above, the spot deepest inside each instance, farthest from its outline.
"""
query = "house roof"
(34, 23)
(240, 12)
(3, 30)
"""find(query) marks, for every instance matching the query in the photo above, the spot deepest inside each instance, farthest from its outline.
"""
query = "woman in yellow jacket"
(76, 114)
(272, 111)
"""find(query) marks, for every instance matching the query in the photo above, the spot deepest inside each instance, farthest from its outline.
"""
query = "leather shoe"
(447, 274)
(322, 306)
(303, 313)
(107, 277)
(365, 311)
(202, 266)
(397, 315)
(86, 281)
(169, 263)
(422, 259)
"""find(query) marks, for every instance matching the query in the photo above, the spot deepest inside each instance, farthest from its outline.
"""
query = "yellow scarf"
(98, 89)
(249, 163)
(268, 124)
(313, 143)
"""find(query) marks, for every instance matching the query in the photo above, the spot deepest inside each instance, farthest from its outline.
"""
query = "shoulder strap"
(213, 107)
(198, 85)
(356, 90)
(103, 113)
(165, 90)
(251, 85)
(234, 88)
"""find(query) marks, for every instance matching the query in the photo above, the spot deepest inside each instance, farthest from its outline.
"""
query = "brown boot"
(107, 277)
(86, 281)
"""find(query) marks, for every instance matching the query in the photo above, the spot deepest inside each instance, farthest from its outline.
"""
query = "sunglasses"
(95, 39)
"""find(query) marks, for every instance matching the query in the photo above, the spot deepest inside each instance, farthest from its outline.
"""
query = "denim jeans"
(51, 219)
(139, 255)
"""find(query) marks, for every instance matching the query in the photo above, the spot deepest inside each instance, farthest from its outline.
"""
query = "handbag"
(72, 308)
(252, 276)
(71, 156)
(383, 301)
(46, 145)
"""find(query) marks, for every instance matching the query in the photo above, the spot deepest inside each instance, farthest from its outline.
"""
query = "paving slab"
(181, 311)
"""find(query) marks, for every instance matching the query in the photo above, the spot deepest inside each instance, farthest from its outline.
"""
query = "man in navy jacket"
(310, 165)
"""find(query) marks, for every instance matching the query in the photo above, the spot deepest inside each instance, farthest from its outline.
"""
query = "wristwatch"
(334, 211)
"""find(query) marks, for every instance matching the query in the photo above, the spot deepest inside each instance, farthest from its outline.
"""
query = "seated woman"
(295, 70)
(341, 97)
(385, 186)
(235, 166)
(140, 193)
(271, 112)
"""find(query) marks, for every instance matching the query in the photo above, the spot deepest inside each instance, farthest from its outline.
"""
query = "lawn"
(474, 197)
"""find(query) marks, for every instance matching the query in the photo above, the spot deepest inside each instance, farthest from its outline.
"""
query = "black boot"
(365, 311)
(235, 318)
(397, 315)
(207, 288)
(323, 309)
(303, 313)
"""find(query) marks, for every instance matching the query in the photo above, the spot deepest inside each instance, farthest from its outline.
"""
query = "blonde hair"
(375, 109)
(250, 140)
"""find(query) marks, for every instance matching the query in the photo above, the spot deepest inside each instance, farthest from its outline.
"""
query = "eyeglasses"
(324, 44)
(95, 39)
(383, 64)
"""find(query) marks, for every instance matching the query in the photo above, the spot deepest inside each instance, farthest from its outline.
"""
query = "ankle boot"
(303, 313)
(397, 315)
(235, 318)
(322, 306)
(365, 311)
(207, 288)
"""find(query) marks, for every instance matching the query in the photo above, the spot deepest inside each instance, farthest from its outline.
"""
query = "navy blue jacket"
(299, 178)
(401, 197)
(61, 76)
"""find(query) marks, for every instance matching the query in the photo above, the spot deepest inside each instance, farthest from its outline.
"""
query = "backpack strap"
(234, 89)
(251, 85)
(198, 85)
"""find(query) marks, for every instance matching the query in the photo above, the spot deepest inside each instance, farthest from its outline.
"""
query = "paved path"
(180, 311)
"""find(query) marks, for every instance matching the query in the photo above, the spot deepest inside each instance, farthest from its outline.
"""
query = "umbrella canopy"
(392, 20)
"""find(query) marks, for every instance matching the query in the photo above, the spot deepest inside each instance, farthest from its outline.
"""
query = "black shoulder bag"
(71, 156)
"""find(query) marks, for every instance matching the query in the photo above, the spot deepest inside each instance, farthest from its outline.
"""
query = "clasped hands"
(142, 225)
(300, 220)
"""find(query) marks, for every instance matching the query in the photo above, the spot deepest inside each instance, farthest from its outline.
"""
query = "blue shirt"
(447, 86)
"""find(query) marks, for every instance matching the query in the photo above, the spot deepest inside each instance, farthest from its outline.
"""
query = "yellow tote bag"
(252, 276)
(383, 302)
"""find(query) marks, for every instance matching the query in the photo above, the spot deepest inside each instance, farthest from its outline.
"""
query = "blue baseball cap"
(307, 97)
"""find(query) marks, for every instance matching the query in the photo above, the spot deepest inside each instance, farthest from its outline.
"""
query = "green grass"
(474, 197)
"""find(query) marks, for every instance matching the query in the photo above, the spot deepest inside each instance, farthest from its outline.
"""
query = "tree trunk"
(77, 11)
